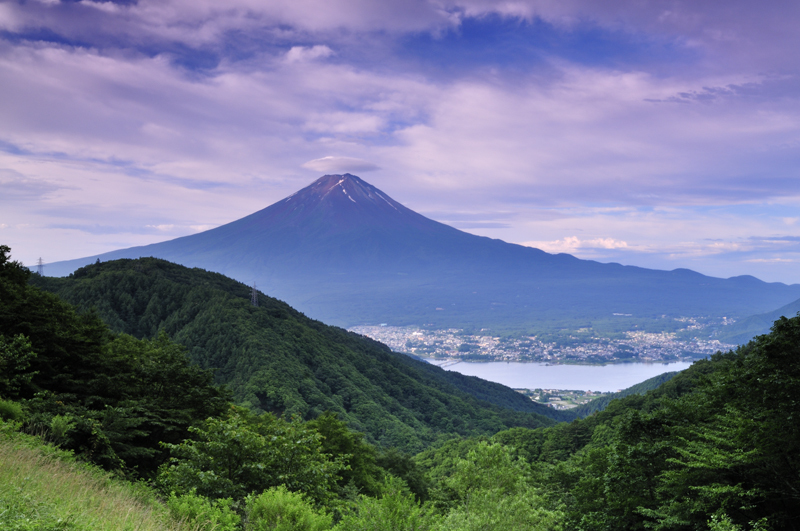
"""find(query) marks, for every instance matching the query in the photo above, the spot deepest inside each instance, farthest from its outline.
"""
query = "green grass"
(43, 489)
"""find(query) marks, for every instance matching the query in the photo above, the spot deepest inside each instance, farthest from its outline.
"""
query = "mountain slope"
(274, 358)
(342, 251)
(746, 329)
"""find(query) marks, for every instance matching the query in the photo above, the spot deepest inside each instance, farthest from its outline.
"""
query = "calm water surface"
(583, 377)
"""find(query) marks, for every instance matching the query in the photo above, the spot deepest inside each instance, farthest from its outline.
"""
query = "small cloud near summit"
(340, 165)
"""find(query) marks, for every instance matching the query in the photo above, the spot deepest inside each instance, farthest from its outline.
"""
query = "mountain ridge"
(345, 252)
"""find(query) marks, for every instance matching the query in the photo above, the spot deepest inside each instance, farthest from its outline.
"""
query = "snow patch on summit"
(387, 201)
(348, 195)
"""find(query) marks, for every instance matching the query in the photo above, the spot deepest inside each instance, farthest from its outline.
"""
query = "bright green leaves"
(278, 509)
(244, 454)
(394, 510)
(493, 491)
(204, 514)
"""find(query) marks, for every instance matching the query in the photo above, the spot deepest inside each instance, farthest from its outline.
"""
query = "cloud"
(308, 53)
(8, 18)
(340, 164)
(204, 111)
(572, 245)
(18, 187)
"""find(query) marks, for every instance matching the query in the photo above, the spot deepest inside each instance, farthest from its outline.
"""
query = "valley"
(561, 398)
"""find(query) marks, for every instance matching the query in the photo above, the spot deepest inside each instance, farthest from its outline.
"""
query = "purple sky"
(661, 133)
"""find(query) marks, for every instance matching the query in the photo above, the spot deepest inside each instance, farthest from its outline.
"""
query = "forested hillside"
(746, 329)
(713, 448)
(599, 404)
(716, 447)
(272, 358)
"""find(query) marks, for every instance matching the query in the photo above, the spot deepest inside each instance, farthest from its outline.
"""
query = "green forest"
(165, 383)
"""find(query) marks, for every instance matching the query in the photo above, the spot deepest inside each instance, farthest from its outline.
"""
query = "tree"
(741, 454)
(244, 454)
(493, 491)
(16, 355)
(395, 510)
(360, 474)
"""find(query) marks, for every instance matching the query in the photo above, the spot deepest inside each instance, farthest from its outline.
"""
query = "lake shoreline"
(611, 377)
(440, 361)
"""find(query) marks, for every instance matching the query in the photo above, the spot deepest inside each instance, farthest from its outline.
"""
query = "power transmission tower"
(254, 296)
(40, 267)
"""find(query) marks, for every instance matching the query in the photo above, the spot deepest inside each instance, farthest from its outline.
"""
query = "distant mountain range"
(344, 252)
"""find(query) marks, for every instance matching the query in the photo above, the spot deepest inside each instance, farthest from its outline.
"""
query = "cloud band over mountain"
(653, 123)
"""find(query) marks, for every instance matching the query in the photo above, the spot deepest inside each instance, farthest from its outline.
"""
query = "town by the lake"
(453, 344)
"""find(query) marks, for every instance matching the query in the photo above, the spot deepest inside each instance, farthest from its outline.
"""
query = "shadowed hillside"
(273, 358)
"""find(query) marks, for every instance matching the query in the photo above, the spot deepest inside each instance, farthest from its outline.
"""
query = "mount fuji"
(346, 253)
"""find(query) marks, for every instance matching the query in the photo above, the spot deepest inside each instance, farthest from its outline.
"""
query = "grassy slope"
(274, 358)
(44, 489)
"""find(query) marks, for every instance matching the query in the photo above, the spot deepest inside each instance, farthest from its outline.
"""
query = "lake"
(579, 377)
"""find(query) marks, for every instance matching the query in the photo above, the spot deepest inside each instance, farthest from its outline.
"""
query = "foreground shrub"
(204, 514)
(395, 510)
(491, 490)
(247, 454)
(11, 410)
(281, 510)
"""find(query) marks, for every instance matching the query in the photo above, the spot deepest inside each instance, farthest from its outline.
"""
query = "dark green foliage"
(141, 393)
(112, 398)
(599, 404)
(741, 453)
(16, 356)
(361, 473)
(406, 468)
(275, 359)
(68, 345)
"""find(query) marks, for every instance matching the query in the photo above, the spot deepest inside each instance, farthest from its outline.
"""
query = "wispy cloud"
(331, 164)
(17, 187)
(573, 245)
(555, 112)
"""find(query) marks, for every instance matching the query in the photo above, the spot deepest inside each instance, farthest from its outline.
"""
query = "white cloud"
(340, 164)
(104, 126)
(772, 260)
(308, 53)
(9, 20)
(573, 245)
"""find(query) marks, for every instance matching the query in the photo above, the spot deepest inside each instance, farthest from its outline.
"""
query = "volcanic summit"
(345, 252)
